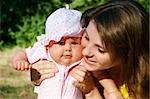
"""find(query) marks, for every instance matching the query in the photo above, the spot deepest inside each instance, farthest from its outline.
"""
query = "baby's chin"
(67, 62)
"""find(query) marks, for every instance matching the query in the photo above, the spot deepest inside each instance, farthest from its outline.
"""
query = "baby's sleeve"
(36, 53)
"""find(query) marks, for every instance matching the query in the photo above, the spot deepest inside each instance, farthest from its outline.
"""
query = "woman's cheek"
(104, 60)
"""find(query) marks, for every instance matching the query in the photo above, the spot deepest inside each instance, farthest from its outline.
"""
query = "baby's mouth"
(67, 56)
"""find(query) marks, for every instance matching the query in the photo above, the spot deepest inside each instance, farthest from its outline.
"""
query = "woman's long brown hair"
(123, 26)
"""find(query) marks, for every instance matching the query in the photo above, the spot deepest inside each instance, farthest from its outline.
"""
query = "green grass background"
(14, 84)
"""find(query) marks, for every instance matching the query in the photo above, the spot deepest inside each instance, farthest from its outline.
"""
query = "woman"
(116, 39)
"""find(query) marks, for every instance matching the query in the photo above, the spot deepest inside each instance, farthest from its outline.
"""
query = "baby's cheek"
(78, 56)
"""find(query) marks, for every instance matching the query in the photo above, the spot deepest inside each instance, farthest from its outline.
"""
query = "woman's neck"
(115, 73)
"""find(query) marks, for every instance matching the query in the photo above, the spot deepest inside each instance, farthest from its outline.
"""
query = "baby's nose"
(67, 47)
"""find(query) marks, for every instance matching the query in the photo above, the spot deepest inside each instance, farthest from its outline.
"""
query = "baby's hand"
(21, 65)
(113, 94)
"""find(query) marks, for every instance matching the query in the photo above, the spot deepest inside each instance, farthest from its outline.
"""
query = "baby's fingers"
(25, 66)
(19, 65)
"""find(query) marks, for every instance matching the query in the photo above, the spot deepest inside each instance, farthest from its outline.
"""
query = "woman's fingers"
(42, 70)
(81, 68)
(46, 76)
(78, 73)
(87, 84)
(44, 64)
(85, 81)
(80, 86)
(78, 77)
(48, 71)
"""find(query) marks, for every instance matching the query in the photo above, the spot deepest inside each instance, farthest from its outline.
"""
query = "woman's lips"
(89, 61)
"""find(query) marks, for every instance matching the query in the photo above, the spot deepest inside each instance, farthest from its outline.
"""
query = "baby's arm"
(20, 61)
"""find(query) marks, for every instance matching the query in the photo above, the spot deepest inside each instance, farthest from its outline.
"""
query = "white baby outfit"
(63, 22)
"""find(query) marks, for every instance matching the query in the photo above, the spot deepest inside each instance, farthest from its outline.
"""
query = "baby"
(61, 44)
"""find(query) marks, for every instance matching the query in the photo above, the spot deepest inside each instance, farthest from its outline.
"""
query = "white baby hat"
(63, 22)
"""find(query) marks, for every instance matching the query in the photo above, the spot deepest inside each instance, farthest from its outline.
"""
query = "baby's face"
(67, 51)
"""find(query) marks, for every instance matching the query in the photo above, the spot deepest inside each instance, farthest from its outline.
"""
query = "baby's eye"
(61, 42)
(74, 43)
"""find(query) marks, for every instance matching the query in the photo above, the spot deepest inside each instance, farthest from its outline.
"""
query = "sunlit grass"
(14, 84)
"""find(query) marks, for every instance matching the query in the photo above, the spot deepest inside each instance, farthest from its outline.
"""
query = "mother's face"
(97, 57)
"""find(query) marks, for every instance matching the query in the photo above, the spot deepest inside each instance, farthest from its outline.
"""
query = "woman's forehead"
(93, 32)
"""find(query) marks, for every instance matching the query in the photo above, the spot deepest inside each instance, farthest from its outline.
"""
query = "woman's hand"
(41, 70)
(85, 81)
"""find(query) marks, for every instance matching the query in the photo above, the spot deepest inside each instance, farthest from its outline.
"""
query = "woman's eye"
(101, 51)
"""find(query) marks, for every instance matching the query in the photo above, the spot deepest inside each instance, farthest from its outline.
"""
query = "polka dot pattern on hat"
(62, 22)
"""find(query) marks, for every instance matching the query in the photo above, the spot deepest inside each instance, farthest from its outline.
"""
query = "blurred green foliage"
(22, 20)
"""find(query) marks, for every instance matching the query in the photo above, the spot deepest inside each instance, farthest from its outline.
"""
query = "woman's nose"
(87, 51)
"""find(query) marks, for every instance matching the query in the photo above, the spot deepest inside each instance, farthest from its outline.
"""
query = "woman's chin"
(90, 67)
